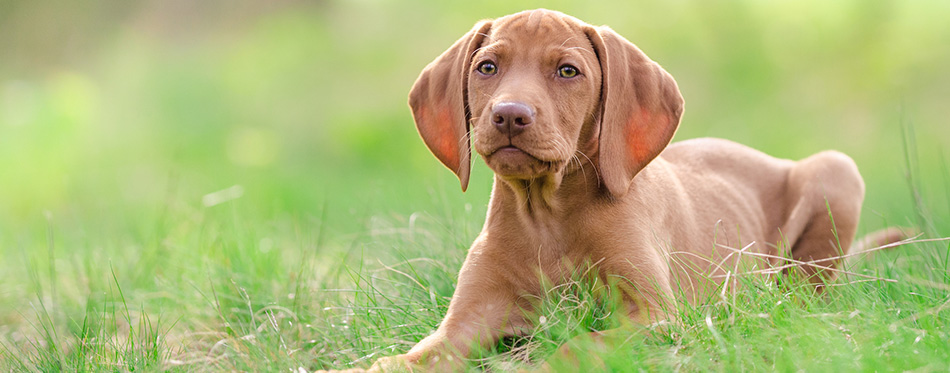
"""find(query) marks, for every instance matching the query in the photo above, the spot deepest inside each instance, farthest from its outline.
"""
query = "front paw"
(398, 363)
(383, 365)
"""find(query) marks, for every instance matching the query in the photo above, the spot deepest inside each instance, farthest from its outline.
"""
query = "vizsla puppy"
(575, 122)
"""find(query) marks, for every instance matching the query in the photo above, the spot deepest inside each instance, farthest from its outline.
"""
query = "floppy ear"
(439, 102)
(641, 109)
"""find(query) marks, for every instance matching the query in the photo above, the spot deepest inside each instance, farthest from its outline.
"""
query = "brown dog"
(575, 121)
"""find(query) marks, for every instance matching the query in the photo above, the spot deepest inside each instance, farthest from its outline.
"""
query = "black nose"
(511, 118)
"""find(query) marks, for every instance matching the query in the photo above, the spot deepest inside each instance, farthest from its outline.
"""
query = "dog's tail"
(877, 239)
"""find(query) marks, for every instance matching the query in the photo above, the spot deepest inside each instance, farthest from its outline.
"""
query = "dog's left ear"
(641, 109)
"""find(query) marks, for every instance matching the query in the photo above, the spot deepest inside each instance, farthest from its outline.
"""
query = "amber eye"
(487, 68)
(567, 71)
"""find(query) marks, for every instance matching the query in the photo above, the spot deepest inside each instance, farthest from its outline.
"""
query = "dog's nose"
(511, 118)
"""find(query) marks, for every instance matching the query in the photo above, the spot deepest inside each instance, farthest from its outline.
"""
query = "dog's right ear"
(439, 102)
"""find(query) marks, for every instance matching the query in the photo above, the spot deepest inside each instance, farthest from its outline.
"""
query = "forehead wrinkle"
(495, 47)
(537, 23)
(587, 47)
(536, 27)
(582, 49)
(502, 37)
(534, 23)
(557, 55)
(567, 40)
(563, 51)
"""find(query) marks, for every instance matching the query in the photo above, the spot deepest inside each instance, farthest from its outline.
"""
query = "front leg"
(486, 306)
(647, 301)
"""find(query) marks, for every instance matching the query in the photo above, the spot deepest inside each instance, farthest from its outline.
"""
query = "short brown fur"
(591, 180)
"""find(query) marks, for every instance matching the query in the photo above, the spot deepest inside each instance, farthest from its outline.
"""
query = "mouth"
(511, 155)
(513, 161)
(510, 151)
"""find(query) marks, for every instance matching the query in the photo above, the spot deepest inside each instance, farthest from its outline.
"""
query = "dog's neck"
(549, 198)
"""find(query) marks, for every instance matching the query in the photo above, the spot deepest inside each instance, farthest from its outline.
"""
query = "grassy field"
(239, 186)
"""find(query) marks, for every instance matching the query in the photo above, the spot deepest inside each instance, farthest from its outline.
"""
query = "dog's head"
(539, 89)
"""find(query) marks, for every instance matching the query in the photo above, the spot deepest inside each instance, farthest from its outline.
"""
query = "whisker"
(582, 49)
(474, 52)
(565, 41)
(575, 158)
(466, 137)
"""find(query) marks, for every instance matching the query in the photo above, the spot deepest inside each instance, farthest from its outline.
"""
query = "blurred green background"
(114, 105)
(120, 120)
(111, 105)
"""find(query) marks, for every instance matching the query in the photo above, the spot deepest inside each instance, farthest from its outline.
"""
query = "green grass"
(124, 128)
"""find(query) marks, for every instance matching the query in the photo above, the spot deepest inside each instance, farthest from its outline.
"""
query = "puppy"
(576, 123)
